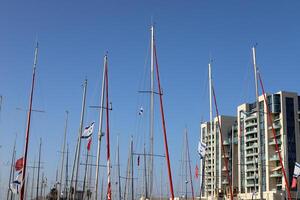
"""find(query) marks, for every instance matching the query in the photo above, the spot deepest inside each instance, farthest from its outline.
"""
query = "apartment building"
(256, 149)
(215, 184)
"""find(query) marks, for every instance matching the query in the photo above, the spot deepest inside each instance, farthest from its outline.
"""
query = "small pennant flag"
(88, 131)
(201, 149)
(15, 186)
(294, 183)
(296, 175)
(138, 160)
(141, 111)
(19, 164)
(196, 172)
(89, 143)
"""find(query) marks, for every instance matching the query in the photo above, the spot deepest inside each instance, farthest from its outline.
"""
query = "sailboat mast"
(66, 181)
(38, 174)
(32, 184)
(28, 124)
(100, 128)
(258, 125)
(119, 174)
(151, 163)
(11, 169)
(107, 136)
(79, 136)
(189, 162)
(211, 121)
(131, 158)
(145, 173)
(63, 157)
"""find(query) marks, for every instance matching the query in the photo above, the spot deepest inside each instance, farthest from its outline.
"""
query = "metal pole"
(66, 184)
(145, 173)
(79, 136)
(132, 181)
(11, 170)
(211, 127)
(151, 163)
(32, 184)
(38, 175)
(28, 124)
(259, 139)
(119, 174)
(63, 157)
(100, 129)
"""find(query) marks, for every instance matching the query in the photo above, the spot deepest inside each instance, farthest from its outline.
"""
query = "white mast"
(79, 136)
(211, 125)
(151, 113)
(63, 157)
(100, 128)
(258, 126)
(119, 175)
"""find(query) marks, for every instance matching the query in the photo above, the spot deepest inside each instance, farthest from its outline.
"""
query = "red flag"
(294, 182)
(138, 160)
(196, 172)
(19, 164)
(89, 144)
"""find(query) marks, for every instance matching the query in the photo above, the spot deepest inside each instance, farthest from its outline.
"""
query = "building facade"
(257, 150)
(214, 178)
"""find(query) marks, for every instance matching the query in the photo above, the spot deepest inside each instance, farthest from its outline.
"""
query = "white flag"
(201, 149)
(15, 186)
(88, 131)
(296, 170)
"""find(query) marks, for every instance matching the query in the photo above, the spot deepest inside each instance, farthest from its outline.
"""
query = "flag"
(196, 172)
(89, 143)
(141, 111)
(19, 164)
(296, 175)
(201, 149)
(88, 131)
(15, 186)
(294, 183)
(138, 160)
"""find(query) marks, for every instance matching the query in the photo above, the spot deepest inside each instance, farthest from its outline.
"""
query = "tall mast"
(131, 159)
(211, 123)
(119, 174)
(32, 184)
(107, 136)
(63, 157)
(151, 163)
(79, 136)
(66, 181)
(100, 128)
(145, 173)
(189, 162)
(28, 124)
(38, 174)
(11, 170)
(258, 126)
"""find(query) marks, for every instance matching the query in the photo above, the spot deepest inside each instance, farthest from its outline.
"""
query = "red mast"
(28, 124)
(107, 133)
(269, 117)
(164, 127)
(223, 148)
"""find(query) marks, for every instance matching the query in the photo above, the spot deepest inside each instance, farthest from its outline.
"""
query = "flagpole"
(28, 124)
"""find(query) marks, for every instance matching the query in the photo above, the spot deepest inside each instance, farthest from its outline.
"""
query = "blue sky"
(74, 36)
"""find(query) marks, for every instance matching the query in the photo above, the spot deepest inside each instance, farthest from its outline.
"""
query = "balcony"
(274, 158)
(250, 117)
(251, 146)
(226, 142)
(272, 142)
(275, 126)
(225, 182)
(251, 154)
(250, 124)
(250, 169)
(276, 175)
(251, 139)
(252, 131)
(226, 155)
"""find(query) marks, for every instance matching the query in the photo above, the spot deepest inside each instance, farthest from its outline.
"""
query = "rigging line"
(269, 118)
(222, 143)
